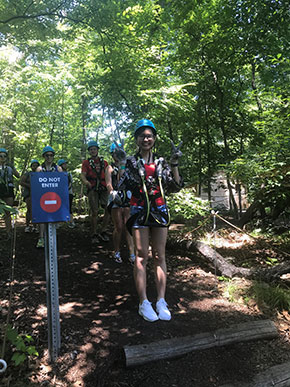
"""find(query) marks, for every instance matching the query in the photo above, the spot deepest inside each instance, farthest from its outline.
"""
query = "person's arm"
(84, 180)
(23, 181)
(175, 172)
(108, 178)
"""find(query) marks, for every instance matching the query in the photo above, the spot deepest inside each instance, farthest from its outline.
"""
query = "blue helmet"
(143, 124)
(34, 161)
(113, 147)
(61, 161)
(92, 143)
(47, 149)
(3, 150)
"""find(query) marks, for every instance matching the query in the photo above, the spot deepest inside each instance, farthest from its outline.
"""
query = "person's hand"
(175, 152)
(89, 185)
(115, 197)
(120, 153)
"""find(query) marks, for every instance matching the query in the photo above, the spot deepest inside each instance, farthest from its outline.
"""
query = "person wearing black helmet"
(93, 177)
(48, 165)
(118, 205)
(7, 186)
(147, 177)
(26, 194)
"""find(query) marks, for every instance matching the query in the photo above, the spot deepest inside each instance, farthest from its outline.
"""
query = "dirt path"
(98, 306)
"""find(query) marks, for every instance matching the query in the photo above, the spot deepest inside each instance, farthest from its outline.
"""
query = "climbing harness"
(98, 173)
(142, 173)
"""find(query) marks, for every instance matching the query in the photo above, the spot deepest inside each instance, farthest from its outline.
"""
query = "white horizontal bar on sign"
(50, 202)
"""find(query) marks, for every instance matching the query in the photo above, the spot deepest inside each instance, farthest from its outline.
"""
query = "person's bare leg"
(158, 239)
(129, 238)
(118, 227)
(141, 240)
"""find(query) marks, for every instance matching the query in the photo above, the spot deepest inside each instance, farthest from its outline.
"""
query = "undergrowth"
(272, 296)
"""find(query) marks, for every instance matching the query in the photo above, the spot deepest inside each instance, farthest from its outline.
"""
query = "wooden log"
(170, 348)
(218, 261)
(227, 269)
(278, 375)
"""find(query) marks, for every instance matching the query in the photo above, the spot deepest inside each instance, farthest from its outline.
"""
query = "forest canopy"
(213, 74)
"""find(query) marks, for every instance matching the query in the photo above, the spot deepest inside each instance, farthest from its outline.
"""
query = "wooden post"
(170, 348)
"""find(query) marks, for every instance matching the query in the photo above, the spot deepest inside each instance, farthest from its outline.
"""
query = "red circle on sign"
(50, 202)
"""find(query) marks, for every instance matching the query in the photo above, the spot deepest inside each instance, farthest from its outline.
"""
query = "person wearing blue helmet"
(93, 177)
(149, 177)
(48, 165)
(118, 205)
(63, 164)
(26, 194)
(7, 186)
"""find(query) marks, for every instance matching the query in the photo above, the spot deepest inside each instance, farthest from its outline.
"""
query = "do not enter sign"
(50, 202)
(49, 197)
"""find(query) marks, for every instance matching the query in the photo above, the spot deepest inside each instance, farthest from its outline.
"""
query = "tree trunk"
(222, 267)
(232, 200)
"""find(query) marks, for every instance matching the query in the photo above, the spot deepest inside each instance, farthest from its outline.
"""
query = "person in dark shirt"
(148, 177)
(93, 177)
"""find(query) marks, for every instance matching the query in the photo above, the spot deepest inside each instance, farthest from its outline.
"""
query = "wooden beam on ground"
(278, 375)
(170, 348)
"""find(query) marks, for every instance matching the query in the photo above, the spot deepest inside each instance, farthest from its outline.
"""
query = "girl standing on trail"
(25, 182)
(7, 186)
(119, 207)
(146, 176)
(47, 166)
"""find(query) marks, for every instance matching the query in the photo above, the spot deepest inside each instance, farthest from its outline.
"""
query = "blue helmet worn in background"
(3, 150)
(34, 161)
(143, 124)
(113, 147)
(92, 143)
(46, 149)
(61, 161)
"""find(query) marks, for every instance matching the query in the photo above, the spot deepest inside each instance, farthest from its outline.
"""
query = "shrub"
(184, 203)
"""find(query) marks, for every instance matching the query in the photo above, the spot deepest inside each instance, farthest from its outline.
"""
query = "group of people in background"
(131, 190)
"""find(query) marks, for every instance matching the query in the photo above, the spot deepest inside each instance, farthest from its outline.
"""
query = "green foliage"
(232, 291)
(265, 295)
(273, 296)
(184, 203)
(214, 74)
(5, 208)
(21, 346)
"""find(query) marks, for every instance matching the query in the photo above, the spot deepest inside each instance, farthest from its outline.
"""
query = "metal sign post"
(52, 291)
(50, 203)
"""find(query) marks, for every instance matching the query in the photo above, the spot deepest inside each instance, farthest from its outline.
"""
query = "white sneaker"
(147, 312)
(162, 310)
